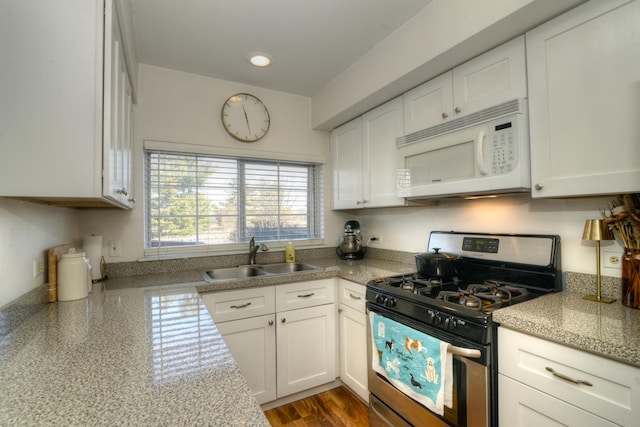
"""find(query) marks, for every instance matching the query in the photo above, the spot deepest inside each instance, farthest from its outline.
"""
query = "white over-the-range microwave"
(486, 152)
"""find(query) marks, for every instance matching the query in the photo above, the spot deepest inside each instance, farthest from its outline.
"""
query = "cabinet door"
(584, 74)
(429, 104)
(252, 343)
(306, 346)
(346, 146)
(353, 350)
(117, 114)
(381, 127)
(495, 77)
(523, 406)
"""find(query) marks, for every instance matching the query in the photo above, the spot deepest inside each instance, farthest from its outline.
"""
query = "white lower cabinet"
(283, 337)
(352, 321)
(541, 383)
(306, 348)
(252, 343)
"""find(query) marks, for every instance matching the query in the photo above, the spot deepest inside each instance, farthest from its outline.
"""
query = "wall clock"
(245, 117)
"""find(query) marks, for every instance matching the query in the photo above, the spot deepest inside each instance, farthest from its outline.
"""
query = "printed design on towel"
(417, 367)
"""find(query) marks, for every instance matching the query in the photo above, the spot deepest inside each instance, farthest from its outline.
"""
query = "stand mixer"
(351, 247)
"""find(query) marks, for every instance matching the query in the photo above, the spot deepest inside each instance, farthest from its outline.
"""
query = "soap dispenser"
(290, 252)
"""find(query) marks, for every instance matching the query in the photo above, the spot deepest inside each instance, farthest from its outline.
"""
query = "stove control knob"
(390, 302)
(381, 299)
(438, 319)
(431, 317)
(450, 323)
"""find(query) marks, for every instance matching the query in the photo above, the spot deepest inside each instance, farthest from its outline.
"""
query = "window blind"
(205, 201)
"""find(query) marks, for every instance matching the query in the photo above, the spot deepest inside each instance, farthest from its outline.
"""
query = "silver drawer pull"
(241, 306)
(567, 378)
(306, 295)
(354, 296)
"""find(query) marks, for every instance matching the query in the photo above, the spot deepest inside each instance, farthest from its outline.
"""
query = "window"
(200, 202)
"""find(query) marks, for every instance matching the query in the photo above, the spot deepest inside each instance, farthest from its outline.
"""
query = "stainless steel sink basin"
(286, 267)
(232, 273)
(248, 271)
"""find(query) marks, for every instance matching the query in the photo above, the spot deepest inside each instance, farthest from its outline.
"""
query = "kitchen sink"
(286, 267)
(256, 270)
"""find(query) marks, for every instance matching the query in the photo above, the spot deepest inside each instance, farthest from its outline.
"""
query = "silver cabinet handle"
(306, 295)
(340, 310)
(354, 296)
(567, 378)
(270, 322)
(241, 306)
(132, 199)
(458, 110)
(122, 191)
(539, 187)
(283, 320)
(445, 115)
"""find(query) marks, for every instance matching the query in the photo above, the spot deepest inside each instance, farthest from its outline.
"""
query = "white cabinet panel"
(429, 104)
(491, 79)
(605, 388)
(252, 343)
(523, 406)
(353, 350)
(584, 75)
(364, 159)
(52, 108)
(306, 346)
(240, 304)
(305, 294)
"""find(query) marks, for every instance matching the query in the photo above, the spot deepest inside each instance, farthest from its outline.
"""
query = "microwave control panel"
(504, 156)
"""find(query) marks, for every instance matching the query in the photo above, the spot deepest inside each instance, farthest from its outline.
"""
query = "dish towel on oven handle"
(417, 364)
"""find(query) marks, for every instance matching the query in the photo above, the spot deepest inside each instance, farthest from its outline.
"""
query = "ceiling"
(310, 41)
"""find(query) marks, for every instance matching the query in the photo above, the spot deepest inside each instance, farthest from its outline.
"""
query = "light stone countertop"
(142, 350)
(608, 330)
(145, 350)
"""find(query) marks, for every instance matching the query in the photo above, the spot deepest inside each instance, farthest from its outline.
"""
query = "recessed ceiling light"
(260, 59)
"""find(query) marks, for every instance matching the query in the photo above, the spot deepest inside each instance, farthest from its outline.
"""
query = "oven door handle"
(470, 353)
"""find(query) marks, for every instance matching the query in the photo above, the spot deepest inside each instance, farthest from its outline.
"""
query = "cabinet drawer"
(240, 304)
(353, 295)
(602, 386)
(522, 406)
(305, 294)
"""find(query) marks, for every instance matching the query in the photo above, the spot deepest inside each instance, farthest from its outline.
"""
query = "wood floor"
(336, 407)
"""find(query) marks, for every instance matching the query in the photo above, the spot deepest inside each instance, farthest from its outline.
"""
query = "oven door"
(471, 385)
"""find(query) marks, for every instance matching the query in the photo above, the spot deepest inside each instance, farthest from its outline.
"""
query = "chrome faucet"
(253, 249)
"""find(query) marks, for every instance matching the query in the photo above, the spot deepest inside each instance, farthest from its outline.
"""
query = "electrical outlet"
(38, 266)
(376, 238)
(114, 248)
(612, 260)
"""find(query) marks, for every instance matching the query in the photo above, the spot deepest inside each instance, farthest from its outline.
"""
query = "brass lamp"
(595, 229)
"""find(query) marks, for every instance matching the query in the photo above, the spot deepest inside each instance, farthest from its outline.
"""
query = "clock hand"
(246, 119)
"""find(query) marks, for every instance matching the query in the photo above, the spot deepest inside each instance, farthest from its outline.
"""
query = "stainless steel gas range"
(432, 342)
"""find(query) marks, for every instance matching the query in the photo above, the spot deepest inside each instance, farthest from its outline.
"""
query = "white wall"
(185, 109)
(27, 231)
(408, 229)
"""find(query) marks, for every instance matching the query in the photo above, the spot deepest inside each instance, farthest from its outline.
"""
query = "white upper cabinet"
(65, 89)
(364, 159)
(485, 81)
(584, 101)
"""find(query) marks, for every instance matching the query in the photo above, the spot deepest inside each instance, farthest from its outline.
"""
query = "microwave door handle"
(480, 153)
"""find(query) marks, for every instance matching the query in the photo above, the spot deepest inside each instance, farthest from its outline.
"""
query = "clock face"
(245, 117)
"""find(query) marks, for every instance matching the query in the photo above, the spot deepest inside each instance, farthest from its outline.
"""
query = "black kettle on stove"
(351, 247)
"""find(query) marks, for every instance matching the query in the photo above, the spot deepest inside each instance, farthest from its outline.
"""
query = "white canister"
(73, 274)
